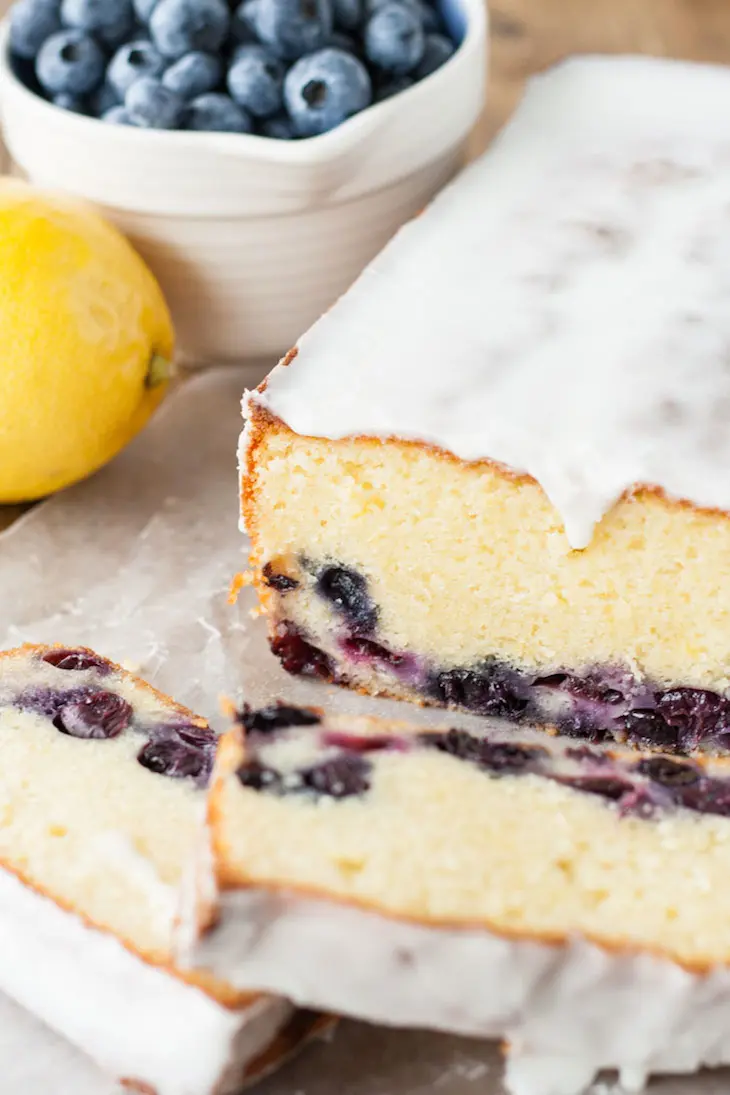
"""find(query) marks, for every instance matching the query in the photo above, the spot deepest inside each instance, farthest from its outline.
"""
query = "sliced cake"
(567, 898)
(496, 475)
(102, 795)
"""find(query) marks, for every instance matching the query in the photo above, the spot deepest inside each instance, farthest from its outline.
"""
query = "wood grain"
(529, 35)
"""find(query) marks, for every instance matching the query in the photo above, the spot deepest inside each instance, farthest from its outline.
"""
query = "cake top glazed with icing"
(562, 308)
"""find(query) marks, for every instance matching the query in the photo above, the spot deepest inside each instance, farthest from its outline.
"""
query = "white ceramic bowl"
(252, 239)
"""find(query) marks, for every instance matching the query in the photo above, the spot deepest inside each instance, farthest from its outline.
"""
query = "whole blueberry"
(339, 40)
(181, 26)
(347, 591)
(278, 579)
(31, 22)
(110, 21)
(130, 62)
(279, 126)
(256, 81)
(70, 61)
(168, 757)
(342, 777)
(117, 115)
(194, 74)
(348, 14)
(670, 773)
(153, 106)
(143, 9)
(100, 715)
(258, 777)
(103, 99)
(242, 27)
(428, 15)
(217, 113)
(324, 89)
(436, 53)
(292, 27)
(394, 38)
(387, 87)
(72, 660)
(277, 716)
(67, 101)
(298, 656)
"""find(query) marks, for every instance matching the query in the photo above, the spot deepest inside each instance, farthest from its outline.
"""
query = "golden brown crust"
(130, 1084)
(231, 879)
(263, 421)
(44, 648)
(219, 990)
(229, 755)
(238, 581)
(258, 427)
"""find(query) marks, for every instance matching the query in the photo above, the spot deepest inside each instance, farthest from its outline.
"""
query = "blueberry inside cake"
(103, 791)
(496, 475)
(565, 897)
(90, 756)
(524, 833)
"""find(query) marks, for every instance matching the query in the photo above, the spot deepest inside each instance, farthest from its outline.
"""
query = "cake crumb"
(240, 581)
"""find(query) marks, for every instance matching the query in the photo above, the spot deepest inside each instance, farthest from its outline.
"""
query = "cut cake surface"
(102, 802)
(554, 895)
(496, 474)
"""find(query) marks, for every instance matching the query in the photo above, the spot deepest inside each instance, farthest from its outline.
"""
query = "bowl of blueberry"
(257, 153)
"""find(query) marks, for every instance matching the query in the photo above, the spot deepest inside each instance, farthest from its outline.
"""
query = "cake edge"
(49, 958)
(634, 1012)
(629, 1008)
(259, 420)
(127, 674)
(220, 876)
(214, 988)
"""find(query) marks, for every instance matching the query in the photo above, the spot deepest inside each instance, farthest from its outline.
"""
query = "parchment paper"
(137, 562)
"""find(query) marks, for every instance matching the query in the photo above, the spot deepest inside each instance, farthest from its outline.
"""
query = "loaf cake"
(568, 898)
(102, 795)
(496, 475)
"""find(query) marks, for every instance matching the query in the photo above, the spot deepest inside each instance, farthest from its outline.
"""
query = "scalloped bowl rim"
(305, 150)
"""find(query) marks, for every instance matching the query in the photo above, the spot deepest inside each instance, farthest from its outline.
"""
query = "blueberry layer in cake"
(565, 897)
(496, 475)
(102, 796)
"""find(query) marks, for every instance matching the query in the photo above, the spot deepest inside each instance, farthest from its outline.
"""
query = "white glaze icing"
(562, 307)
(567, 1011)
(134, 1020)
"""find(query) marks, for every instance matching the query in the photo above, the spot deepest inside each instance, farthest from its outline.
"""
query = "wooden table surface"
(530, 35)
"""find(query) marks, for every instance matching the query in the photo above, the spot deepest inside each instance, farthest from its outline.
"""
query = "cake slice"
(102, 795)
(496, 475)
(565, 897)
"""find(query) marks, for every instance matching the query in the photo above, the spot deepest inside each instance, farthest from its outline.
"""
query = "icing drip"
(562, 308)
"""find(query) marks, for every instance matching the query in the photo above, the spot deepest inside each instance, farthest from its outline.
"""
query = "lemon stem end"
(159, 371)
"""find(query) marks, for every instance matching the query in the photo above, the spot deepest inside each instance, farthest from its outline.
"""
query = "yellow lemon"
(86, 342)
